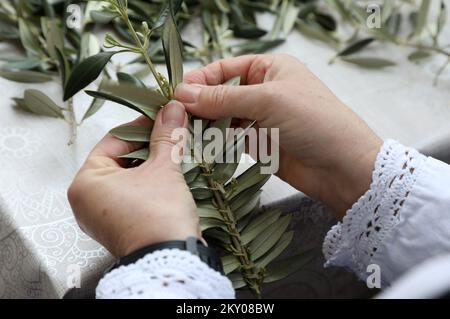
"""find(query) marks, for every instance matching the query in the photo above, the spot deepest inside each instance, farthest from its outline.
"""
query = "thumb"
(168, 135)
(221, 101)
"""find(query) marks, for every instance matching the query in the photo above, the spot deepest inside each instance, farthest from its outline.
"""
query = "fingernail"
(174, 114)
(188, 93)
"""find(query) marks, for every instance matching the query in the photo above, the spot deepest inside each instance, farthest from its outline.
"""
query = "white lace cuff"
(354, 243)
(165, 274)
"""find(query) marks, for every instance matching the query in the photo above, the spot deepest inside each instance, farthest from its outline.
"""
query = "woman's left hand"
(125, 209)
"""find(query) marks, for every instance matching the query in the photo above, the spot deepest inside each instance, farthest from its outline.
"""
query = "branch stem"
(144, 52)
(249, 270)
(72, 122)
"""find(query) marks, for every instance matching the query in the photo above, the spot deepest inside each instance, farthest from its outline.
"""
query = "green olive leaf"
(422, 18)
(144, 110)
(259, 225)
(419, 55)
(170, 7)
(125, 78)
(39, 103)
(173, 51)
(370, 63)
(265, 241)
(26, 76)
(86, 72)
(141, 154)
(356, 47)
(29, 40)
(147, 98)
(135, 133)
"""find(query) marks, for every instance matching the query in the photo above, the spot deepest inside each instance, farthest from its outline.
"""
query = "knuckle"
(219, 95)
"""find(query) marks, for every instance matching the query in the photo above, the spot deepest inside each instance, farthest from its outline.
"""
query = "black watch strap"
(192, 244)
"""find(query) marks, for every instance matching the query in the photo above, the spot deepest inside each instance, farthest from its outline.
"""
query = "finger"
(108, 151)
(251, 69)
(165, 146)
(220, 101)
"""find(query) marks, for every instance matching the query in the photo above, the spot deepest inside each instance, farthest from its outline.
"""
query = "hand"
(125, 209)
(327, 151)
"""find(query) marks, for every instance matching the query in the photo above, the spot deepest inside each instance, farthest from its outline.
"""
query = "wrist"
(193, 245)
(352, 177)
(135, 241)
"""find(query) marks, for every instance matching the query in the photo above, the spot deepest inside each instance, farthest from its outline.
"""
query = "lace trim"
(165, 274)
(354, 242)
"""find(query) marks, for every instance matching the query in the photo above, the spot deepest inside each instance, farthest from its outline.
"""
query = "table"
(41, 246)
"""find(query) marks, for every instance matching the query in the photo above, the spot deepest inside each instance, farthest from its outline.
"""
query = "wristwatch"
(192, 245)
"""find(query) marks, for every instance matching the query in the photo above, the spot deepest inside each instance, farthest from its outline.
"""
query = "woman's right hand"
(327, 151)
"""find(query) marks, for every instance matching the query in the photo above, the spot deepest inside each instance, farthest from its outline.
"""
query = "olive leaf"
(422, 18)
(27, 63)
(259, 225)
(135, 133)
(419, 55)
(173, 51)
(29, 40)
(370, 63)
(97, 103)
(169, 8)
(125, 78)
(139, 154)
(39, 103)
(265, 241)
(26, 76)
(64, 65)
(86, 72)
(138, 95)
(356, 47)
(144, 110)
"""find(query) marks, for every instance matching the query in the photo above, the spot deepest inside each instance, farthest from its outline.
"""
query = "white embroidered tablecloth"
(41, 246)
